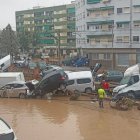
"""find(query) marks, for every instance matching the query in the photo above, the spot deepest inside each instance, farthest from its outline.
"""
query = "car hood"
(118, 88)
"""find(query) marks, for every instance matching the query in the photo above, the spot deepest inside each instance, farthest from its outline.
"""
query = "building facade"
(53, 26)
(108, 31)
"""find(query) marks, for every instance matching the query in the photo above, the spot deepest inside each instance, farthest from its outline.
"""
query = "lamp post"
(131, 21)
(58, 43)
(112, 32)
(75, 33)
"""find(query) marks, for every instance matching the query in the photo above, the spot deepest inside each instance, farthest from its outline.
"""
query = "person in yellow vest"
(101, 96)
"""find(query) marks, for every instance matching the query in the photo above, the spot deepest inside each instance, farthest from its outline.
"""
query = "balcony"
(126, 45)
(91, 34)
(99, 18)
(99, 45)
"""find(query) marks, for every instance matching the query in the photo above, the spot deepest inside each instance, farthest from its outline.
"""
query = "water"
(62, 119)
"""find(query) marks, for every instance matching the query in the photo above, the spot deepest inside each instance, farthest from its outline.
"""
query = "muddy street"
(61, 119)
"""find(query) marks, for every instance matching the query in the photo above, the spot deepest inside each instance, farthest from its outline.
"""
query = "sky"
(9, 7)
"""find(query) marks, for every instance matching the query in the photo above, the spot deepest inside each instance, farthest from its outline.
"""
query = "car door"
(10, 90)
(71, 84)
(83, 83)
(17, 89)
(54, 82)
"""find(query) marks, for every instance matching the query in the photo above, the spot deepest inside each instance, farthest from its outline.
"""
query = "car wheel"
(22, 96)
(4, 95)
(131, 95)
(88, 90)
(62, 86)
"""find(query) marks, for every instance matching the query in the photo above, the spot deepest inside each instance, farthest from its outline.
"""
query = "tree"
(28, 39)
(24, 40)
(9, 41)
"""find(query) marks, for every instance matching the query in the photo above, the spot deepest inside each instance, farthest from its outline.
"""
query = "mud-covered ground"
(62, 119)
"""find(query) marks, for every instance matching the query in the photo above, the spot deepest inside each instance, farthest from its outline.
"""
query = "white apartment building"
(108, 31)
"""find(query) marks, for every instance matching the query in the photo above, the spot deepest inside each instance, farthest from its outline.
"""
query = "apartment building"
(108, 31)
(51, 25)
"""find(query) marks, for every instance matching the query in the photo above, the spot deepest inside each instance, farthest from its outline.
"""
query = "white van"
(6, 77)
(130, 84)
(81, 81)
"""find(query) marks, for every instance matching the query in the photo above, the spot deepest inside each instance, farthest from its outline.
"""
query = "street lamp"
(112, 41)
(75, 33)
(131, 21)
(58, 43)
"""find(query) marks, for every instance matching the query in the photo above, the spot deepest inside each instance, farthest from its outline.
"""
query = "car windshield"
(125, 80)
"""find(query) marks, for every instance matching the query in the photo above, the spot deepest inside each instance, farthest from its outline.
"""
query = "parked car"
(6, 132)
(81, 81)
(19, 63)
(14, 89)
(52, 81)
(113, 75)
(83, 61)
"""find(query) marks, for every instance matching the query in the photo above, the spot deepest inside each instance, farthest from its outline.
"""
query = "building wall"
(107, 29)
(48, 23)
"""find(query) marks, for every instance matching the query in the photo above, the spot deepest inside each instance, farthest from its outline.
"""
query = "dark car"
(113, 75)
(48, 69)
(55, 80)
(83, 61)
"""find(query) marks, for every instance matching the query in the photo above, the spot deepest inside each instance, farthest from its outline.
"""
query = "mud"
(61, 119)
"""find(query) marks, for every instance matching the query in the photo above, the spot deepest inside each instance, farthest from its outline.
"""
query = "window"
(136, 38)
(95, 56)
(8, 86)
(123, 59)
(18, 85)
(119, 10)
(119, 25)
(87, 40)
(126, 10)
(83, 81)
(126, 25)
(138, 58)
(70, 82)
(126, 39)
(106, 56)
(119, 39)
(2, 65)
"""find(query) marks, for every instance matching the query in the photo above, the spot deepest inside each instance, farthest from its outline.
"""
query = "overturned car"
(53, 81)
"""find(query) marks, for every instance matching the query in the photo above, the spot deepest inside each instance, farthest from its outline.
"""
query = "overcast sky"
(8, 8)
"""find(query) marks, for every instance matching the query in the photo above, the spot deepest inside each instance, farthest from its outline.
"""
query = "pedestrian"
(105, 85)
(101, 95)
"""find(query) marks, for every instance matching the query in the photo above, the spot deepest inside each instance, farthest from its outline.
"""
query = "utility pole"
(58, 40)
(112, 32)
(131, 22)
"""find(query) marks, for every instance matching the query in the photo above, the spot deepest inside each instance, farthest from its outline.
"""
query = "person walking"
(101, 96)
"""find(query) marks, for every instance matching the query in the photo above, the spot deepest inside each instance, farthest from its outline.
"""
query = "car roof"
(79, 74)
(16, 82)
(53, 72)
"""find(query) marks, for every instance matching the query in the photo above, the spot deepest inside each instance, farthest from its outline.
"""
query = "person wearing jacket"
(101, 95)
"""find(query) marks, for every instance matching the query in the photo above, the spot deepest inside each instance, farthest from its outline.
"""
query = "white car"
(14, 89)
(6, 132)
